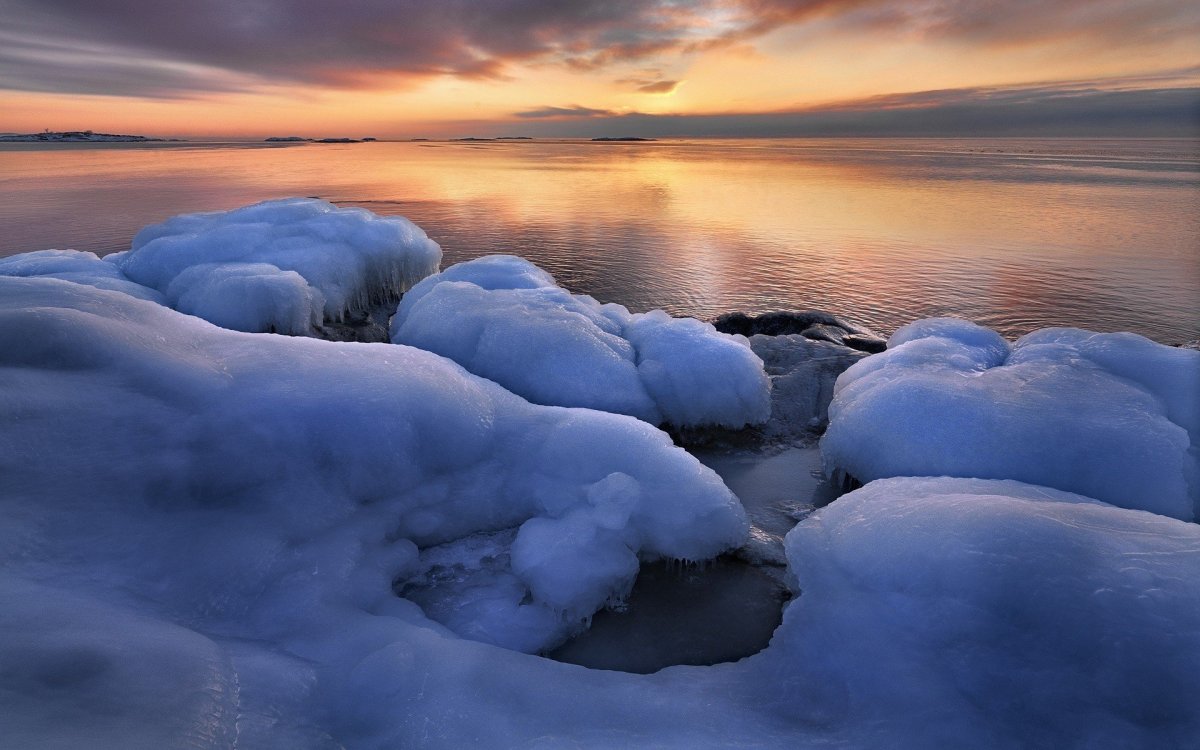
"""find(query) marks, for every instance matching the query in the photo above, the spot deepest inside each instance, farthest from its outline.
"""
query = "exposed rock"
(803, 372)
(811, 324)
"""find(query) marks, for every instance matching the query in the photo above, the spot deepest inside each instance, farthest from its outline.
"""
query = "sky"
(454, 68)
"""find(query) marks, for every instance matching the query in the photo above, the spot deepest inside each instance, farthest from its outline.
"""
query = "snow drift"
(220, 539)
(283, 265)
(503, 318)
(1112, 416)
(79, 267)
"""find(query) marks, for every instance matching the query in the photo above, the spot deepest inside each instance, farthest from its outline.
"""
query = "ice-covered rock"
(202, 532)
(279, 265)
(503, 318)
(76, 266)
(943, 612)
(1110, 416)
(164, 419)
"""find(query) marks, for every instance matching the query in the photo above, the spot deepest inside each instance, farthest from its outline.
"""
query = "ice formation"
(214, 424)
(79, 267)
(1112, 416)
(282, 265)
(503, 318)
(952, 612)
(216, 539)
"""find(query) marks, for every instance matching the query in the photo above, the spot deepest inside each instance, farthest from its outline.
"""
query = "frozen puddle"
(724, 610)
(718, 612)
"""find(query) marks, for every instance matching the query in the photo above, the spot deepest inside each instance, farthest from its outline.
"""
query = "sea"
(1013, 233)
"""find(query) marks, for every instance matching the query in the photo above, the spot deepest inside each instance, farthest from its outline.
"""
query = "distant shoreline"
(79, 136)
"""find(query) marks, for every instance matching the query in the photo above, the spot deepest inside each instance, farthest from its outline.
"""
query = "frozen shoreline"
(207, 529)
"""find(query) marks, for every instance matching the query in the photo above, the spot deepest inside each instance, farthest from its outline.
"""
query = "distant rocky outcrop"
(622, 138)
(76, 136)
(287, 139)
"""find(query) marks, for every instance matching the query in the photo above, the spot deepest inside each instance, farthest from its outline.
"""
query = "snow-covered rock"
(203, 531)
(76, 266)
(956, 612)
(1112, 416)
(282, 265)
(131, 423)
(503, 318)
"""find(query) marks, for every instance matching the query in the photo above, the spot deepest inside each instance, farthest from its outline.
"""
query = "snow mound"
(950, 612)
(503, 318)
(78, 267)
(204, 531)
(307, 435)
(279, 264)
(1112, 416)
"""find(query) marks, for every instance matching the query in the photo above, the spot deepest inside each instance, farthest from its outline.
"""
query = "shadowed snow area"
(221, 539)
(1113, 416)
(505, 319)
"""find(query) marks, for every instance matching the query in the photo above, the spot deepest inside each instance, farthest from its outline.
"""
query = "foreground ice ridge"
(1113, 416)
(285, 266)
(202, 530)
(505, 319)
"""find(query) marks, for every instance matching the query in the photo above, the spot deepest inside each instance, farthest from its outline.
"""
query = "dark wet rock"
(803, 372)
(364, 327)
(811, 324)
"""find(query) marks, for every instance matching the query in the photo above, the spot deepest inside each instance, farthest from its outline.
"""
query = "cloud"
(645, 86)
(1069, 109)
(563, 112)
(156, 48)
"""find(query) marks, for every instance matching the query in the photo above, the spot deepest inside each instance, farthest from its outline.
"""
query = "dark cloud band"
(165, 48)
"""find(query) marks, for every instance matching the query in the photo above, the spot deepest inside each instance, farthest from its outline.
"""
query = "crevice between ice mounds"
(505, 319)
(287, 266)
(1113, 416)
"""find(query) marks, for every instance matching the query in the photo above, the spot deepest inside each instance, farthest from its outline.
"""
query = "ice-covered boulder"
(503, 318)
(279, 265)
(76, 266)
(203, 531)
(1112, 416)
(149, 420)
(943, 612)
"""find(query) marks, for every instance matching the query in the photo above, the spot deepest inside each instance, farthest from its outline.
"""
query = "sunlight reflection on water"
(1016, 234)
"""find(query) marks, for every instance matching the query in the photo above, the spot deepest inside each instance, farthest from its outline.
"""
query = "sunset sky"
(400, 68)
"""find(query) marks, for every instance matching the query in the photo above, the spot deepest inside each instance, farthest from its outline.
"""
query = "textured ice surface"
(281, 265)
(77, 266)
(503, 318)
(1013, 615)
(203, 531)
(258, 486)
(1113, 416)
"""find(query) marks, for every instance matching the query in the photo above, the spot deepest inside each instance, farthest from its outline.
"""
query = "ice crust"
(994, 614)
(223, 539)
(283, 265)
(78, 267)
(1112, 416)
(503, 318)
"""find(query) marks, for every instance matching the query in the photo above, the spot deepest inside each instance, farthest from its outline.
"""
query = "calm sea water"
(1016, 234)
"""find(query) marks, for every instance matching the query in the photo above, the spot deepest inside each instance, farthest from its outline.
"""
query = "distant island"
(302, 139)
(623, 138)
(77, 136)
